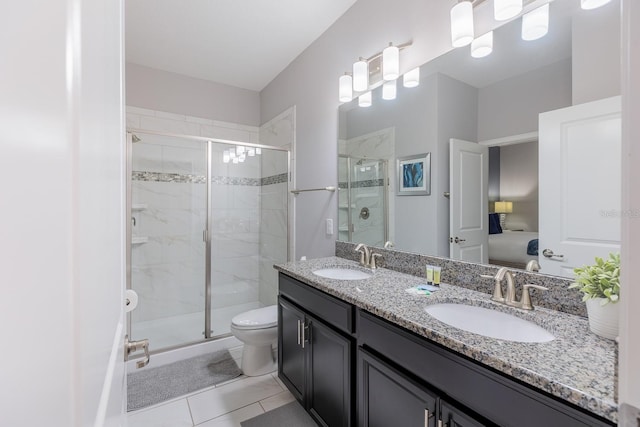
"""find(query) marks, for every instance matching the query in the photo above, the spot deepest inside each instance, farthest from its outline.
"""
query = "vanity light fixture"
(389, 90)
(390, 62)
(361, 75)
(364, 100)
(345, 88)
(535, 24)
(482, 46)
(462, 24)
(592, 4)
(411, 78)
(506, 9)
(369, 73)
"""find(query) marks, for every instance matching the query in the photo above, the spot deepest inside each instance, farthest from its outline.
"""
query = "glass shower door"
(363, 203)
(168, 215)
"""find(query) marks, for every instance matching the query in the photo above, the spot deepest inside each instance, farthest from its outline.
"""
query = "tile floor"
(225, 405)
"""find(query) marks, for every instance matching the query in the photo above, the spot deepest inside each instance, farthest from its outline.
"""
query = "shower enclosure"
(363, 200)
(209, 218)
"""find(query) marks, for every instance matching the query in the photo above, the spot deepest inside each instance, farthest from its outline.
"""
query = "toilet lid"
(261, 318)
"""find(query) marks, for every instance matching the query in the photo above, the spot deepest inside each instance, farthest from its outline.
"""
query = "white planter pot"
(603, 319)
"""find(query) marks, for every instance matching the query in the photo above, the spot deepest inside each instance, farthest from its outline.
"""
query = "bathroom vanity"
(365, 352)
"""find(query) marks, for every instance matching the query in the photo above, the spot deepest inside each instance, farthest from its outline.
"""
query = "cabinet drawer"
(496, 397)
(336, 313)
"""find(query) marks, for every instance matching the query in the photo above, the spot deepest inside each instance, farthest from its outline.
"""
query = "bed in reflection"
(511, 248)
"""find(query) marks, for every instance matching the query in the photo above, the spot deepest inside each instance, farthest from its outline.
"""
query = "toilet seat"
(260, 318)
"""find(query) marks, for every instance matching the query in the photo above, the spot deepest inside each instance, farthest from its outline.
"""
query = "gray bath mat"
(154, 385)
(290, 415)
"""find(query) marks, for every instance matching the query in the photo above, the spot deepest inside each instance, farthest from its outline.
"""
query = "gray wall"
(519, 184)
(596, 65)
(175, 93)
(511, 107)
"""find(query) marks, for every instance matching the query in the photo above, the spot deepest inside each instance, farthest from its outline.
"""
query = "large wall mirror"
(495, 102)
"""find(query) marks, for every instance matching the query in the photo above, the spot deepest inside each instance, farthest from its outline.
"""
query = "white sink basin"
(342, 273)
(490, 323)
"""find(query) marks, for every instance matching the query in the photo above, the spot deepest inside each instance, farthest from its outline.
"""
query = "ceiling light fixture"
(411, 78)
(360, 75)
(482, 46)
(462, 24)
(592, 4)
(506, 9)
(535, 24)
(390, 62)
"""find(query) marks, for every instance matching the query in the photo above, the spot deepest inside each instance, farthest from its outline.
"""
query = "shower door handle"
(133, 346)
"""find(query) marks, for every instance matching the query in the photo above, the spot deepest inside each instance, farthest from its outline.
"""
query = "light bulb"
(360, 75)
(411, 78)
(364, 100)
(345, 88)
(390, 63)
(389, 90)
(535, 24)
(462, 24)
(482, 46)
(505, 9)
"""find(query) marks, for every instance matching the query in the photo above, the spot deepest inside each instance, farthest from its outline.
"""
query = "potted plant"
(600, 284)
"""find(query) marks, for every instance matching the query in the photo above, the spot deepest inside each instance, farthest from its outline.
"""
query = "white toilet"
(258, 330)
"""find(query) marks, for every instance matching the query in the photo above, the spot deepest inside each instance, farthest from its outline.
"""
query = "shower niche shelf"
(138, 240)
(138, 206)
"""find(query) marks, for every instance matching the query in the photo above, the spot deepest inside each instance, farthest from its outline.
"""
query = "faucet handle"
(372, 262)
(526, 297)
(364, 254)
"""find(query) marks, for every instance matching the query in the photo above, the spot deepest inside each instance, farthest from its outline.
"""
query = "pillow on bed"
(494, 224)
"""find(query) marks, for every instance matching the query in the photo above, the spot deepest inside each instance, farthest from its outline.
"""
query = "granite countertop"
(577, 366)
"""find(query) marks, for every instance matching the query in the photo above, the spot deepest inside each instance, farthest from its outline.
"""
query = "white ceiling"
(242, 43)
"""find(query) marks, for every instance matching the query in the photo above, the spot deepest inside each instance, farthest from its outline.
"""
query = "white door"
(62, 216)
(468, 208)
(579, 177)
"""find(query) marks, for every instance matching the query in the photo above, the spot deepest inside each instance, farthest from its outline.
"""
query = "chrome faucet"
(367, 257)
(510, 296)
(533, 265)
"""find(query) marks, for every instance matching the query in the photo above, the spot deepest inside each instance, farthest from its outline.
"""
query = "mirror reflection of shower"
(206, 235)
(363, 200)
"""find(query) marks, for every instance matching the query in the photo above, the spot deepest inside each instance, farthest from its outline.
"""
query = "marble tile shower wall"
(274, 197)
(376, 145)
(467, 275)
(168, 270)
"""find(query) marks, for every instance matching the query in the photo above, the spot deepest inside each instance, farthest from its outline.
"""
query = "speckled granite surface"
(577, 366)
(467, 275)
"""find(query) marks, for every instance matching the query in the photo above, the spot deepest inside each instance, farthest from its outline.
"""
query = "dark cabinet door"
(387, 398)
(329, 394)
(291, 354)
(452, 416)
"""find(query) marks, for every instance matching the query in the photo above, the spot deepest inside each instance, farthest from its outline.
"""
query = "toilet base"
(257, 360)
